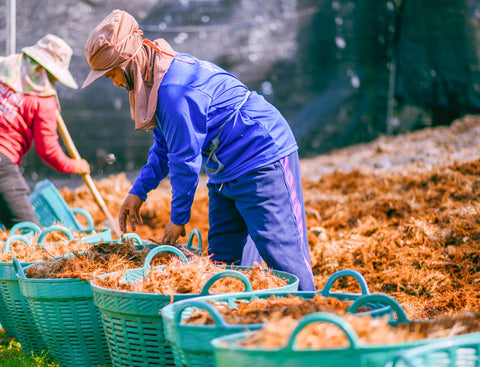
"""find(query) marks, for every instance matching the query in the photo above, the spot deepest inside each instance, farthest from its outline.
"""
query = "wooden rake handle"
(72, 150)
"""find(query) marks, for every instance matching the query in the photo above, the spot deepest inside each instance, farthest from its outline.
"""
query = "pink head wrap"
(117, 42)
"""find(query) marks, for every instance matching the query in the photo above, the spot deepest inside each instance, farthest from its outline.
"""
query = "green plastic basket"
(17, 317)
(15, 311)
(96, 235)
(70, 323)
(51, 208)
(451, 353)
(29, 228)
(87, 235)
(6, 322)
(7, 274)
(229, 353)
(191, 344)
(133, 321)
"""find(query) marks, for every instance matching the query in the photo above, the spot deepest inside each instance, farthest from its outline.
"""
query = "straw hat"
(54, 54)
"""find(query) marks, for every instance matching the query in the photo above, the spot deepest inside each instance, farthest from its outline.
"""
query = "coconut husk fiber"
(378, 331)
(99, 259)
(54, 244)
(33, 253)
(402, 210)
(190, 277)
(271, 308)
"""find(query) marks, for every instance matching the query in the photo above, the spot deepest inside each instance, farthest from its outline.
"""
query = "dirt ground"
(403, 211)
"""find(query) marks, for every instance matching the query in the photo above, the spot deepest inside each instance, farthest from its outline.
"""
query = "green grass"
(11, 355)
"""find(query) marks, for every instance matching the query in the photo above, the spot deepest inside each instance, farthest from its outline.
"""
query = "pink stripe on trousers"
(297, 208)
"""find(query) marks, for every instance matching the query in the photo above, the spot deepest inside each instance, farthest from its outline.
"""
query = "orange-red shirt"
(25, 119)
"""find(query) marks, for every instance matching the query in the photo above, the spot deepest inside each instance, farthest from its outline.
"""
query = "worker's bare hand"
(172, 232)
(130, 210)
(81, 167)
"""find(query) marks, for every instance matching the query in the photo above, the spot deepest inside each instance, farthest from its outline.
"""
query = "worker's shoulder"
(46, 103)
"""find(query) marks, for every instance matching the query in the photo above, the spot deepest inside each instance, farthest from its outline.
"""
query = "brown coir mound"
(275, 334)
(34, 252)
(54, 244)
(414, 235)
(190, 277)
(402, 210)
(272, 308)
(99, 259)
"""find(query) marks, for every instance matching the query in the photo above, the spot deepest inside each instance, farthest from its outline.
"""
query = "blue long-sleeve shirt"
(194, 101)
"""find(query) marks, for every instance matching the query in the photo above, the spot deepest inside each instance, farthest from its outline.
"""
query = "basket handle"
(342, 324)
(132, 236)
(18, 268)
(25, 225)
(381, 298)
(87, 216)
(17, 237)
(226, 274)
(193, 233)
(344, 273)
(405, 362)
(165, 248)
(216, 316)
(52, 229)
(413, 357)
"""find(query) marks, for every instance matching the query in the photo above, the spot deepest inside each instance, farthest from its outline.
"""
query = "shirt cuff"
(180, 218)
(140, 190)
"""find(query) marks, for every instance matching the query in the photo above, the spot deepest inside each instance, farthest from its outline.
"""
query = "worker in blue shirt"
(202, 116)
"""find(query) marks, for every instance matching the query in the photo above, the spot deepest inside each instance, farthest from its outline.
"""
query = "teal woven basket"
(28, 229)
(51, 208)
(7, 274)
(6, 321)
(133, 322)
(8, 285)
(96, 235)
(70, 323)
(451, 353)
(17, 316)
(87, 235)
(8, 281)
(191, 344)
(229, 353)
(14, 311)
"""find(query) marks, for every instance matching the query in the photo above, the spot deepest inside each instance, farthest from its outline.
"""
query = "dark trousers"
(262, 212)
(15, 205)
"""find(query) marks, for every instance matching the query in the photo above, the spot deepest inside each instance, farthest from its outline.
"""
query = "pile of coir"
(100, 258)
(190, 277)
(274, 307)
(378, 331)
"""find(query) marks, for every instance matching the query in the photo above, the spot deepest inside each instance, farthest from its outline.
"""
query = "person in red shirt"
(28, 113)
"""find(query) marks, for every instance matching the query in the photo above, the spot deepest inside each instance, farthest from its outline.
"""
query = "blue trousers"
(262, 214)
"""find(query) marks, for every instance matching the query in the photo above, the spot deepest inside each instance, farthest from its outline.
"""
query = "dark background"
(342, 72)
